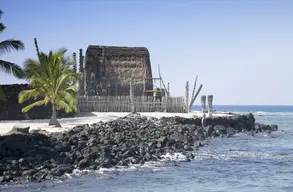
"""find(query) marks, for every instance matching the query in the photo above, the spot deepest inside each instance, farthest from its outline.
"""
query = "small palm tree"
(7, 46)
(52, 81)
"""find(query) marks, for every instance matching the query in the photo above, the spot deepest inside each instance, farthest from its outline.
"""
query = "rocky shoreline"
(134, 139)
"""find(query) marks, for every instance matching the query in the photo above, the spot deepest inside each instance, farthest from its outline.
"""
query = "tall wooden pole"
(38, 51)
(162, 81)
(194, 87)
(37, 47)
(74, 68)
(194, 97)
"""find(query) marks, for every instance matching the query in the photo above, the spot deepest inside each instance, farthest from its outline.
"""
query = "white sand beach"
(68, 123)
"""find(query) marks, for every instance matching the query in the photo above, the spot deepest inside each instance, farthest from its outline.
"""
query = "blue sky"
(241, 50)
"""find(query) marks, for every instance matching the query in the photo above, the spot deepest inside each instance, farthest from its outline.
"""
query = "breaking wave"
(168, 160)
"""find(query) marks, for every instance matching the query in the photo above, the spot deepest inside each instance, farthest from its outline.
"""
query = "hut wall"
(110, 70)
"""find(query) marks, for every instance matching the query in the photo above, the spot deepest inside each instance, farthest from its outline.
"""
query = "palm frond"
(37, 103)
(72, 88)
(10, 45)
(2, 27)
(69, 61)
(67, 101)
(64, 105)
(61, 52)
(42, 84)
(69, 76)
(69, 97)
(26, 95)
(31, 68)
(8, 67)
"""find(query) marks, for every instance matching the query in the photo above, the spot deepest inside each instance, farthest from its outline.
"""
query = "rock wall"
(236, 121)
(10, 109)
(109, 70)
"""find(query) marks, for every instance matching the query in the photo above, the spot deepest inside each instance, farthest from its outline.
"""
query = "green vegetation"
(5, 47)
(53, 81)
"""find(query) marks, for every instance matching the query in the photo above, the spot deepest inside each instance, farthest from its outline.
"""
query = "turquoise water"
(240, 163)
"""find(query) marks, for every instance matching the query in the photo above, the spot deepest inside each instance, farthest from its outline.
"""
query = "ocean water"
(237, 164)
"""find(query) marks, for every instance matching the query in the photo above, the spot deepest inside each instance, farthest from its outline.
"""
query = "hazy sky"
(241, 50)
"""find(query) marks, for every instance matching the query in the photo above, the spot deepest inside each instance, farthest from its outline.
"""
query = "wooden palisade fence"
(124, 104)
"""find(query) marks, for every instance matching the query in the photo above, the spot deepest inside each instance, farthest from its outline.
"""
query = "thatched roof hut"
(109, 70)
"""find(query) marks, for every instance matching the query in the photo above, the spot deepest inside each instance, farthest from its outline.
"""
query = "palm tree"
(7, 46)
(52, 81)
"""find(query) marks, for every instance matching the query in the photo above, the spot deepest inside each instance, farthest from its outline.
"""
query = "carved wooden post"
(84, 83)
(74, 62)
(77, 83)
(203, 108)
(210, 104)
(132, 98)
(81, 70)
(203, 103)
(187, 97)
(168, 88)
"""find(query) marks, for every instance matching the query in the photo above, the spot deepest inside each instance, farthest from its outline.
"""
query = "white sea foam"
(167, 160)
(174, 157)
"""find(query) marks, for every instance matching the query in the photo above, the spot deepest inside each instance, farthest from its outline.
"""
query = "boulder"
(19, 129)
(274, 127)
(220, 129)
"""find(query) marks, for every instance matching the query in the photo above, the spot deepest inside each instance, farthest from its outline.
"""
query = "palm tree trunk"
(53, 120)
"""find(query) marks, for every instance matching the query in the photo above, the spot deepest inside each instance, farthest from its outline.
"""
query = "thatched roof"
(122, 65)
(117, 51)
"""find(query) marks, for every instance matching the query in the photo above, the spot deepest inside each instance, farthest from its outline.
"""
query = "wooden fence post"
(132, 98)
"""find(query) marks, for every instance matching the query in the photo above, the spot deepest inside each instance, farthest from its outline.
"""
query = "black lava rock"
(133, 139)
